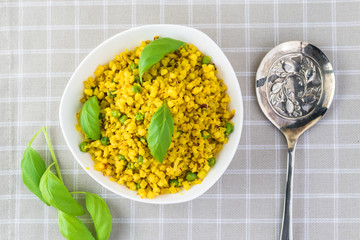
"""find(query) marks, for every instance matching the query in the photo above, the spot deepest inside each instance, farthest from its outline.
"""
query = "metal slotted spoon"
(295, 85)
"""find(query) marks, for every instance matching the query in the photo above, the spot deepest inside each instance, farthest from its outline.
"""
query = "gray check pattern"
(42, 42)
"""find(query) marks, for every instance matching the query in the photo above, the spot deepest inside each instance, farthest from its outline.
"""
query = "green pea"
(142, 139)
(206, 60)
(174, 182)
(122, 157)
(123, 119)
(137, 79)
(105, 141)
(205, 134)
(111, 94)
(140, 159)
(136, 88)
(229, 128)
(116, 114)
(84, 147)
(139, 116)
(180, 132)
(211, 161)
(130, 166)
(190, 176)
(133, 66)
(138, 186)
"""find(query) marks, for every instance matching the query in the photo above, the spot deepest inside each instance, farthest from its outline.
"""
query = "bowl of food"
(154, 113)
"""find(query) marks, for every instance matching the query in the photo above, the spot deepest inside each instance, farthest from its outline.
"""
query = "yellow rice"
(197, 100)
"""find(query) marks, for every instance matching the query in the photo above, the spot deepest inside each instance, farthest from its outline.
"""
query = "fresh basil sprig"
(52, 191)
(33, 167)
(100, 215)
(89, 118)
(56, 194)
(160, 131)
(72, 228)
(155, 51)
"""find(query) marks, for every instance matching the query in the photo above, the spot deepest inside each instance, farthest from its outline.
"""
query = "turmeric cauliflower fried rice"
(198, 103)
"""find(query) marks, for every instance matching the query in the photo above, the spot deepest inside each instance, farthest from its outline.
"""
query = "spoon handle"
(287, 222)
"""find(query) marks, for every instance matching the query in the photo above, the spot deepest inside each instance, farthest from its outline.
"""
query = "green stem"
(78, 192)
(52, 153)
(34, 138)
(50, 166)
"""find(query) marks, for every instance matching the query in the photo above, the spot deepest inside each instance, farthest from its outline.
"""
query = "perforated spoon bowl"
(295, 85)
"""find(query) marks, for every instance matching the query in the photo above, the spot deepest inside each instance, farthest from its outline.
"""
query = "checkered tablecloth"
(42, 42)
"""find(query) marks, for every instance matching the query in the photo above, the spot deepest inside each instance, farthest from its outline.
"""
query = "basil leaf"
(72, 228)
(55, 193)
(89, 118)
(155, 51)
(100, 215)
(160, 131)
(33, 167)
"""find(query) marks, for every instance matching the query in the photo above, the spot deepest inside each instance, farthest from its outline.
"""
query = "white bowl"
(129, 39)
